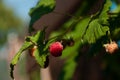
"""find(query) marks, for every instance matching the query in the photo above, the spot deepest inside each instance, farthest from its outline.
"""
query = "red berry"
(56, 49)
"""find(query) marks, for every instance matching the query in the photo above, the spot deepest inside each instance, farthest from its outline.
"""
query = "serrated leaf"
(103, 17)
(30, 41)
(95, 31)
(41, 56)
(38, 38)
(81, 27)
(42, 7)
(77, 34)
(14, 61)
(90, 32)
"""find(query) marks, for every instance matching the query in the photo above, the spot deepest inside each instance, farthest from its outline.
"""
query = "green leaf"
(77, 34)
(35, 40)
(95, 31)
(103, 17)
(38, 38)
(96, 28)
(14, 61)
(41, 56)
(81, 27)
(42, 7)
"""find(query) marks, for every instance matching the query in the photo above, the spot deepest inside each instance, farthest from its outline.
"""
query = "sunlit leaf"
(14, 61)
(30, 41)
(41, 53)
(95, 31)
(81, 27)
(103, 17)
(38, 38)
(41, 56)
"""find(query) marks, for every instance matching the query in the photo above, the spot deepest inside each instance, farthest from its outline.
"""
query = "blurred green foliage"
(8, 22)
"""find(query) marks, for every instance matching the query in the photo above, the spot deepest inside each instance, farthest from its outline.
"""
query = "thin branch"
(66, 14)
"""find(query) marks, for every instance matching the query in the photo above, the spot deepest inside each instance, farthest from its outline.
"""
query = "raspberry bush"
(69, 42)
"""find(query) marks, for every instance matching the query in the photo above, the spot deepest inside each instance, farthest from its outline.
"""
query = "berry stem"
(109, 36)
